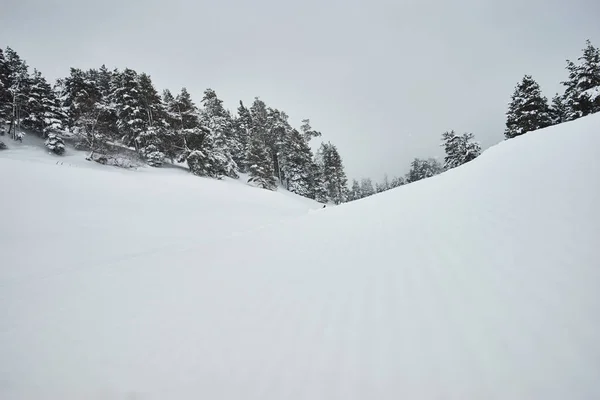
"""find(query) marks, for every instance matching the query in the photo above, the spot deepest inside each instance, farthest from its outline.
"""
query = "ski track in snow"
(478, 283)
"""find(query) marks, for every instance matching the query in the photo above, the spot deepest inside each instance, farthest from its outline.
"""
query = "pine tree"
(296, 159)
(333, 173)
(558, 110)
(582, 93)
(55, 144)
(5, 96)
(172, 140)
(220, 141)
(18, 89)
(152, 140)
(459, 149)
(80, 99)
(243, 128)
(355, 191)
(128, 106)
(318, 186)
(366, 187)
(396, 182)
(528, 109)
(421, 169)
(259, 165)
(44, 113)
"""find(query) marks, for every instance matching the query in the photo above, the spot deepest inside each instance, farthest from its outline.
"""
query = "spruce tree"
(152, 140)
(18, 89)
(422, 169)
(259, 165)
(318, 186)
(55, 144)
(80, 99)
(44, 114)
(220, 141)
(396, 182)
(582, 93)
(366, 187)
(355, 191)
(243, 128)
(528, 109)
(172, 140)
(5, 97)
(558, 110)
(296, 159)
(459, 149)
(333, 173)
(129, 108)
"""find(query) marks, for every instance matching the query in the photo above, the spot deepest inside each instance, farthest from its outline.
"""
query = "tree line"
(528, 110)
(105, 109)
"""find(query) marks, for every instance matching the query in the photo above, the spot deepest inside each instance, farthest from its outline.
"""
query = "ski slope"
(480, 283)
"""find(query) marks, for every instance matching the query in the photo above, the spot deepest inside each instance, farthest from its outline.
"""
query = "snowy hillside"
(480, 283)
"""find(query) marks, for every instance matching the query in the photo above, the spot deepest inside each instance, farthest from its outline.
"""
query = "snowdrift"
(480, 283)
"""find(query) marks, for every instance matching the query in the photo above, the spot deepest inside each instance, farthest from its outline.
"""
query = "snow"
(479, 283)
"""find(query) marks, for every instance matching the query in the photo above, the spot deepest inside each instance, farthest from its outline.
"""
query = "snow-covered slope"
(480, 283)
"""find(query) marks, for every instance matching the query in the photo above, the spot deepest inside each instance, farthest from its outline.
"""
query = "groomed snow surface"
(480, 283)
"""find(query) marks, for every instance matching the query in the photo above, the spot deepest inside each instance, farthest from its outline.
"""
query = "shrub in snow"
(154, 157)
(207, 163)
(113, 160)
(2, 145)
(55, 144)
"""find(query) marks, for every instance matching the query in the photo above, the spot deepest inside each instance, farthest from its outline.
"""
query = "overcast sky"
(381, 79)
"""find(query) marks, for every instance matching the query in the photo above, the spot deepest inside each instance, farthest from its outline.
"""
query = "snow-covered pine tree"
(220, 141)
(173, 140)
(318, 184)
(128, 106)
(278, 129)
(18, 88)
(243, 128)
(459, 149)
(151, 141)
(355, 191)
(396, 182)
(421, 169)
(582, 93)
(44, 113)
(333, 173)
(55, 144)
(558, 110)
(5, 98)
(89, 114)
(296, 161)
(383, 186)
(190, 134)
(528, 109)
(366, 187)
(386, 182)
(79, 98)
(259, 164)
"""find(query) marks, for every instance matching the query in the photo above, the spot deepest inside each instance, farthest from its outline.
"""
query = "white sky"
(381, 79)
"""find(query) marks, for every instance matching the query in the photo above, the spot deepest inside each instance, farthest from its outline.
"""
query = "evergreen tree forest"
(107, 110)
(104, 111)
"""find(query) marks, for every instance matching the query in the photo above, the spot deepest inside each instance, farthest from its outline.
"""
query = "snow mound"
(478, 283)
